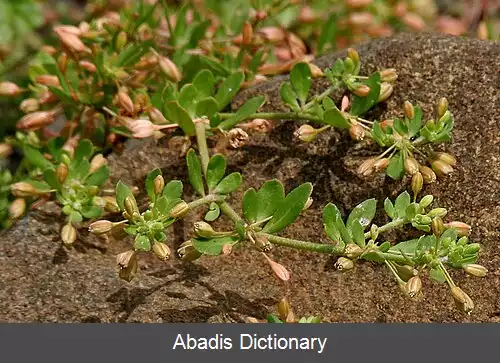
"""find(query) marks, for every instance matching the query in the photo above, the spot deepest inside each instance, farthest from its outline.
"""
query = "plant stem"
(205, 200)
(302, 245)
(398, 222)
(201, 139)
(274, 116)
(230, 212)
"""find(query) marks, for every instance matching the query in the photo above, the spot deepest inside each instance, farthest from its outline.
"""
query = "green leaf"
(401, 203)
(361, 105)
(40, 185)
(36, 158)
(289, 209)
(213, 212)
(269, 196)
(273, 319)
(250, 205)
(122, 192)
(396, 168)
(229, 184)
(437, 275)
(51, 178)
(79, 169)
(176, 114)
(389, 208)
(92, 212)
(229, 89)
(327, 33)
(204, 82)
(249, 108)
(207, 107)
(142, 243)
(150, 183)
(335, 118)
(363, 212)
(173, 190)
(84, 149)
(194, 170)
(98, 177)
(416, 122)
(75, 217)
(215, 171)
(300, 77)
(400, 127)
(213, 246)
(384, 247)
(188, 98)
(289, 97)
(357, 232)
(330, 215)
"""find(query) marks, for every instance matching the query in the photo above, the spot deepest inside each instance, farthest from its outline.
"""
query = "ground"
(44, 282)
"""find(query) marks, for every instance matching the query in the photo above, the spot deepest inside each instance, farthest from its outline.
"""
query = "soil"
(44, 282)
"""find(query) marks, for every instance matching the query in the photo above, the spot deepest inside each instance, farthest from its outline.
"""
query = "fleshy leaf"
(215, 171)
(229, 184)
(300, 77)
(363, 212)
(213, 246)
(194, 170)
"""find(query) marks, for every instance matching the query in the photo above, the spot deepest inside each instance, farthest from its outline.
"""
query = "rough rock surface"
(43, 282)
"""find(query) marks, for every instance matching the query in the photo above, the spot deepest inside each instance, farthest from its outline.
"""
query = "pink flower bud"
(36, 120)
(462, 228)
(279, 270)
(47, 80)
(9, 89)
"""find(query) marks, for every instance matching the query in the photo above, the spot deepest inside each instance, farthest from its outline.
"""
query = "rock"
(44, 282)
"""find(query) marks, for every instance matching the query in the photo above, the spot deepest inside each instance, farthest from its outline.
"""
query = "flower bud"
(417, 181)
(17, 208)
(158, 184)
(100, 227)
(306, 133)
(411, 165)
(353, 4)
(157, 117)
(170, 69)
(29, 105)
(5, 150)
(367, 167)
(406, 272)
(414, 21)
(409, 110)
(121, 40)
(426, 201)
(247, 33)
(127, 261)
(284, 309)
(353, 251)
(388, 75)
(180, 210)
(462, 300)
(414, 286)
(475, 270)
(48, 80)
(381, 164)
(111, 205)
(187, 252)
(237, 138)
(62, 173)
(227, 249)
(131, 206)
(437, 226)
(97, 162)
(36, 120)
(463, 229)
(161, 250)
(442, 107)
(441, 168)
(428, 174)
(23, 190)
(141, 129)
(361, 19)
(279, 270)
(70, 40)
(386, 90)
(68, 234)
(125, 102)
(363, 90)
(437, 212)
(273, 34)
(260, 125)
(262, 243)
(10, 89)
(446, 158)
(357, 132)
(203, 229)
(88, 66)
(472, 248)
(344, 264)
